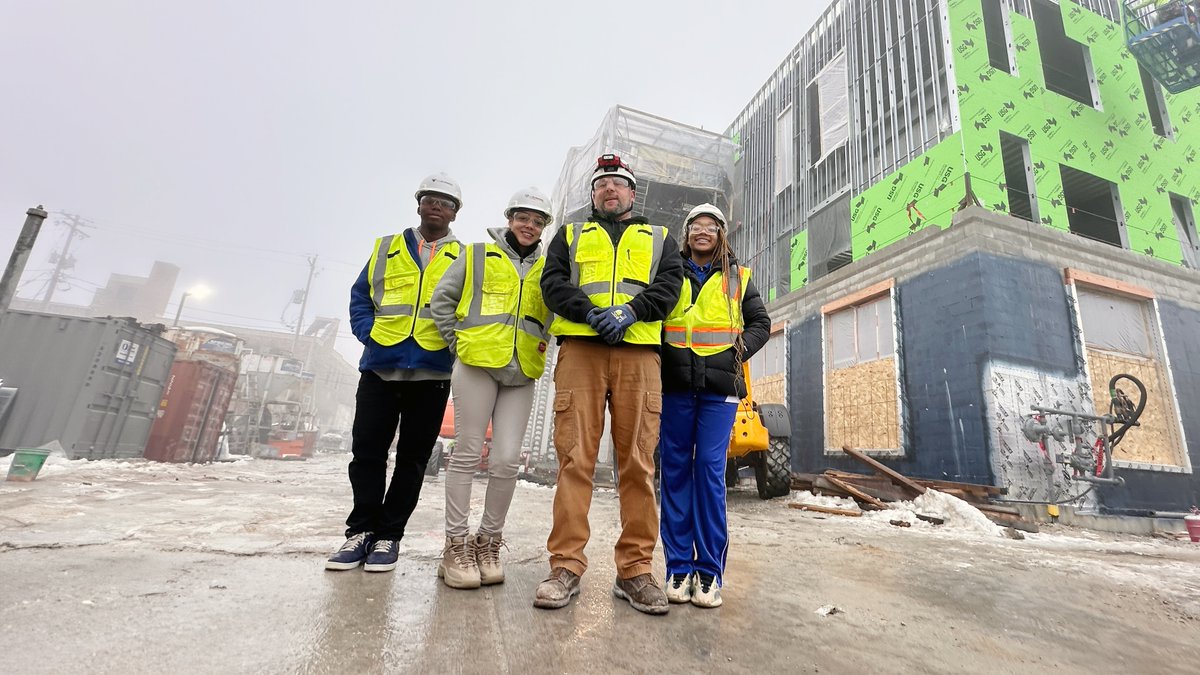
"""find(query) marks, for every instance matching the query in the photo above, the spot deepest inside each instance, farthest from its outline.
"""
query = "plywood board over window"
(862, 389)
(768, 368)
(1121, 335)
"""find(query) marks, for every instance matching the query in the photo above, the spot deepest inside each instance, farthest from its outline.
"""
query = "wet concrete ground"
(139, 567)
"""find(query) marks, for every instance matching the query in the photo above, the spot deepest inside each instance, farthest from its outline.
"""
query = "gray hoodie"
(449, 292)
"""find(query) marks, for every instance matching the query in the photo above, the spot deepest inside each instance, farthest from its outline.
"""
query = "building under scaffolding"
(677, 167)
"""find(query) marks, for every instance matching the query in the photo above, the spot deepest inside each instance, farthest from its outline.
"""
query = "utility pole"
(64, 260)
(20, 254)
(312, 271)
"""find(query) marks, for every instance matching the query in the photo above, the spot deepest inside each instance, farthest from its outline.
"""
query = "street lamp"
(199, 291)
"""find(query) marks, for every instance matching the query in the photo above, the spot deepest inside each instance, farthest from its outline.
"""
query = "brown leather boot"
(557, 590)
(644, 593)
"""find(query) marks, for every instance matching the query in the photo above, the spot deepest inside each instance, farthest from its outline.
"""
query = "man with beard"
(610, 283)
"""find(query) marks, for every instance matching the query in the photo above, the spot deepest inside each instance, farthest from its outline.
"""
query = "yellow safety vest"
(613, 275)
(499, 312)
(713, 323)
(401, 291)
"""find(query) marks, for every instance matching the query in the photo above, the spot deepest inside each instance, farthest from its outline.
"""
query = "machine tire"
(731, 473)
(435, 460)
(773, 470)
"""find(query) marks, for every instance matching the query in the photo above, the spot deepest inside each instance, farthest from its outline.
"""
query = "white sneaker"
(707, 591)
(458, 568)
(487, 558)
(679, 588)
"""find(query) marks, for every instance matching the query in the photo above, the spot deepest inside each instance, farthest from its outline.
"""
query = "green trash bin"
(26, 464)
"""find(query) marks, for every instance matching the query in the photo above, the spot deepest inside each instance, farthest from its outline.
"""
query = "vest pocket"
(397, 286)
(496, 296)
(593, 266)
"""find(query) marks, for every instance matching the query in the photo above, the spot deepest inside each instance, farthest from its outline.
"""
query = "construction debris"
(873, 492)
(824, 509)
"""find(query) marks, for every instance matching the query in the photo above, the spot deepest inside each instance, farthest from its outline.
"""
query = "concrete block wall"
(989, 290)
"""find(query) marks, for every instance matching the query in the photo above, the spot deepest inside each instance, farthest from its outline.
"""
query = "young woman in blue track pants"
(719, 322)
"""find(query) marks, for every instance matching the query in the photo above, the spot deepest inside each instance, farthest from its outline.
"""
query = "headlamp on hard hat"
(609, 165)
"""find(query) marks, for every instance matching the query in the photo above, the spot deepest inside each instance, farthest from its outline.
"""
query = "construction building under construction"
(967, 217)
(968, 213)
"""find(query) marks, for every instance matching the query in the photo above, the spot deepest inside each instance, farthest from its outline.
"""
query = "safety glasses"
(446, 204)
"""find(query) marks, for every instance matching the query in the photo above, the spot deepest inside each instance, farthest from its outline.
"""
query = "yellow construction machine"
(761, 438)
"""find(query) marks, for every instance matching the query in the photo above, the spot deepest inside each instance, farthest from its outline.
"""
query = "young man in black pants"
(405, 376)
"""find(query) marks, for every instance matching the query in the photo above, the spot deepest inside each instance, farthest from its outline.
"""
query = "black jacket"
(568, 301)
(684, 370)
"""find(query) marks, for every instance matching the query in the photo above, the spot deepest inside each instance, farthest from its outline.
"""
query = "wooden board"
(825, 509)
(927, 482)
(1156, 441)
(895, 476)
(878, 487)
(770, 389)
(856, 493)
(860, 406)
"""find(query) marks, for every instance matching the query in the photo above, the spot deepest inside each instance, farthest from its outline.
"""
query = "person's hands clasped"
(612, 323)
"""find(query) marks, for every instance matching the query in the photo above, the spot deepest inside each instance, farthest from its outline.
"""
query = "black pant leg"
(422, 405)
(376, 413)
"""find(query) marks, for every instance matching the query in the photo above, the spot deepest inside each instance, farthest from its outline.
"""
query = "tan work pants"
(628, 378)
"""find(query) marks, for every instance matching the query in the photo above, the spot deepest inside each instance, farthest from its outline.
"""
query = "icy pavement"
(133, 566)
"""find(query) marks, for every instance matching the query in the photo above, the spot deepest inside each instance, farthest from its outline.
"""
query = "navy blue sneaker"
(383, 556)
(351, 554)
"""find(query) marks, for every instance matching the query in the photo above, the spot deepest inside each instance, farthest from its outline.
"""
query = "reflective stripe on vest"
(613, 275)
(499, 312)
(399, 286)
(713, 323)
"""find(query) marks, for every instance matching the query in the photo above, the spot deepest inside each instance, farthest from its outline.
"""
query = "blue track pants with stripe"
(693, 442)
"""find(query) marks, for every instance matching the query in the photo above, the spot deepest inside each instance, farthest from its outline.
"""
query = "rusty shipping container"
(191, 414)
(92, 384)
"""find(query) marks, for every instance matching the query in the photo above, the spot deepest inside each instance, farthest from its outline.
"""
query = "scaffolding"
(677, 167)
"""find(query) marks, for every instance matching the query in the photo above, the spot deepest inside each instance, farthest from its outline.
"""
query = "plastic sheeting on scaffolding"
(677, 167)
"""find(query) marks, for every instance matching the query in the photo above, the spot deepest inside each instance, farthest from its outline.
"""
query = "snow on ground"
(959, 516)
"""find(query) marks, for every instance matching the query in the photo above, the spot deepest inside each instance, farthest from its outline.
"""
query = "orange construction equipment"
(448, 423)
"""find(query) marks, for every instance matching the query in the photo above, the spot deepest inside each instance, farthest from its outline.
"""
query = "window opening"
(1091, 206)
(1185, 226)
(1018, 176)
(995, 32)
(1066, 63)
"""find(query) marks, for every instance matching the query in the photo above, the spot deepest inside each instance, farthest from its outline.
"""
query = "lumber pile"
(873, 491)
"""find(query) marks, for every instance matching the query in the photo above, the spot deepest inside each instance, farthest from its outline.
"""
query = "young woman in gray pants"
(489, 309)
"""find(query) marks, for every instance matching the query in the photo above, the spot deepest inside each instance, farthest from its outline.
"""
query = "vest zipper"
(612, 290)
(412, 330)
(517, 324)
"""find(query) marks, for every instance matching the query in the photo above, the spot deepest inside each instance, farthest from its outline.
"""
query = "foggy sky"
(234, 139)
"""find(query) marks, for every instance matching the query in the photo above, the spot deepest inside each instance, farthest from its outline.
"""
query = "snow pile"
(806, 497)
(956, 513)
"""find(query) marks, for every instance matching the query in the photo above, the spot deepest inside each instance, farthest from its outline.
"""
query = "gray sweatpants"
(478, 398)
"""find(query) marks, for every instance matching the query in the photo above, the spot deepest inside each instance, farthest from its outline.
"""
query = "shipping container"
(202, 343)
(92, 384)
(191, 413)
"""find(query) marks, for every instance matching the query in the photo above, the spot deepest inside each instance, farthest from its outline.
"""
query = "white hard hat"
(611, 165)
(530, 199)
(441, 184)
(705, 210)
